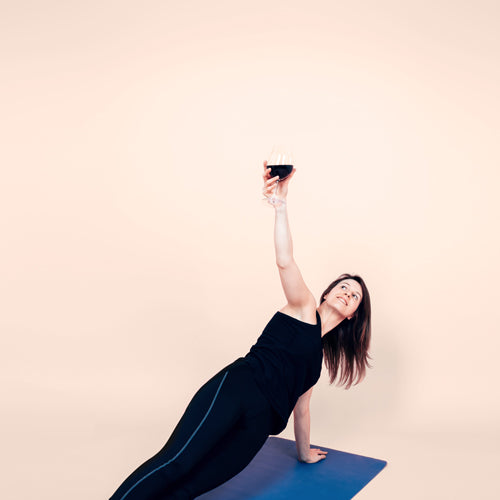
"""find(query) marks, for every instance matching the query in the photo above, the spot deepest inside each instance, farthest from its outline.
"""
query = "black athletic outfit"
(230, 417)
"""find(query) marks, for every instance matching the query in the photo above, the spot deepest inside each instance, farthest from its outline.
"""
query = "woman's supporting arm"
(302, 430)
(302, 425)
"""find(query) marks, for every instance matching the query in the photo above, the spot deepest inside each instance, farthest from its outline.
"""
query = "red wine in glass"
(280, 162)
(282, 170)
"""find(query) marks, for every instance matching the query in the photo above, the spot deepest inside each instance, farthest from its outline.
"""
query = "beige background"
(137, 258)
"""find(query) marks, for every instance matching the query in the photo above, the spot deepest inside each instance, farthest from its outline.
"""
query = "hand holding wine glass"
(278, 171)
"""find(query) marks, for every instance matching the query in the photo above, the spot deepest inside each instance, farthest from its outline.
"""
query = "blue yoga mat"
(275, 473)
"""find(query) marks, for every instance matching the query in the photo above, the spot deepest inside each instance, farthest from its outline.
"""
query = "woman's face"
(345, 297)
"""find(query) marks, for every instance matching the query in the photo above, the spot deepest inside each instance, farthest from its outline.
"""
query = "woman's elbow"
(301, 411)
(284, 262)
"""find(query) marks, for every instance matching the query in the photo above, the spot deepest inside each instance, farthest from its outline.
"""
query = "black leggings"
(224, 426)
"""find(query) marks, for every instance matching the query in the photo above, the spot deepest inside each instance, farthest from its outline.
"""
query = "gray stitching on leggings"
(187, 442)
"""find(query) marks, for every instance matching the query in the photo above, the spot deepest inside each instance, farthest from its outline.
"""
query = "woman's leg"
(229, 456)
(211, 414)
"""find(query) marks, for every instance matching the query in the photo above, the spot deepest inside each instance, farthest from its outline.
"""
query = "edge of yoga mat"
(275, 473)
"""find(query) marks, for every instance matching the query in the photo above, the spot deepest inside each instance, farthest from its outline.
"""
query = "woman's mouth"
(342, 300)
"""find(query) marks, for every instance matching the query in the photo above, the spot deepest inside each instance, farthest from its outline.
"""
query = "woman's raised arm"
(299, 297)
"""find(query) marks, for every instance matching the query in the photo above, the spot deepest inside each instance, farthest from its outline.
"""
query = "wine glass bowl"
(280, 162)
(283, 171)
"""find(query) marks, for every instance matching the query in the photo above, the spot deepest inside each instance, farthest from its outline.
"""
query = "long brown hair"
(345, 347)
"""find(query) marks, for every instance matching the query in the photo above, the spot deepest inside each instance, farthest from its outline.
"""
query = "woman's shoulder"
(306, 313)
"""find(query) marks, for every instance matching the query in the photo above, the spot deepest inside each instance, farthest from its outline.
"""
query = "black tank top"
(286, 361)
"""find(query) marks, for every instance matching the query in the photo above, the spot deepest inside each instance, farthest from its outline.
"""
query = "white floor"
(434, 466)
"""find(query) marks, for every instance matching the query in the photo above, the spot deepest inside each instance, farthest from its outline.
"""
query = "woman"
(230, 417)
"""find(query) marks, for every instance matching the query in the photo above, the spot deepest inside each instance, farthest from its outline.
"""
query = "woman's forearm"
(302, 429)
(282, 237)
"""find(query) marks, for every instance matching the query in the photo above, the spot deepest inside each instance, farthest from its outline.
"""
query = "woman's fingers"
(269, 191)
(315, 455)
(320, 453)
(267, 173)
(270, 184)
(272, 180)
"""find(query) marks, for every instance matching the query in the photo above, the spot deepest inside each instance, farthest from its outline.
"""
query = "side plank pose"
(231, 416)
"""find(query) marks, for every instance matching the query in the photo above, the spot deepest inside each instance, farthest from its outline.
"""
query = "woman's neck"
(330, 318)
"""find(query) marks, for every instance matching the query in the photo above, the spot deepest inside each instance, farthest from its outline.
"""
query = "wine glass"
(280, 162)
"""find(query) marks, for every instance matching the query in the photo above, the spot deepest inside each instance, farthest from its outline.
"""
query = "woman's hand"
(315, 455)
(270, 184)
